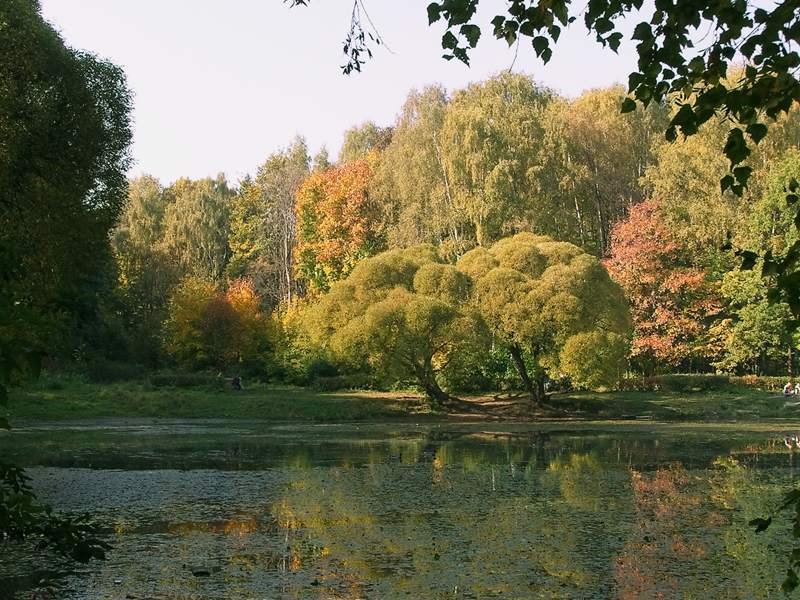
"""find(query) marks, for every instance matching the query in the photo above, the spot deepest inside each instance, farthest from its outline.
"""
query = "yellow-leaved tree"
(403, 313)
(222, 329)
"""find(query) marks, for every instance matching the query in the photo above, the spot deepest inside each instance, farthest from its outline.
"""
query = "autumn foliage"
(212, 327)
(338, 223)
(671, 299)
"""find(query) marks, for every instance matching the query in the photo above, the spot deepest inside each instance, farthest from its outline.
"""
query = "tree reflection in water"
(464, 512)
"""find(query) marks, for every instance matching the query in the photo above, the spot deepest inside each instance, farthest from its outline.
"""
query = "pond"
(223, 509)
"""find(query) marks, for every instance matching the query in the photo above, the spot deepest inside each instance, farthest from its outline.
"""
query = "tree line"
(459, 172)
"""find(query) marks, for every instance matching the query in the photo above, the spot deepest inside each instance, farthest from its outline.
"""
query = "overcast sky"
(220, 84)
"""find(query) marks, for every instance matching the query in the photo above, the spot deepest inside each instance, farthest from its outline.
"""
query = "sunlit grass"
(65, 398)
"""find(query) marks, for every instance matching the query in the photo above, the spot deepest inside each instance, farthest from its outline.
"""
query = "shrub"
(698, 382)
(769, 383)
(321, 368)
(690, 382)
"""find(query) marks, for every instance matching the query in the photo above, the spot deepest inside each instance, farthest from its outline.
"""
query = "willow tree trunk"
(427, 380)
(533, 386)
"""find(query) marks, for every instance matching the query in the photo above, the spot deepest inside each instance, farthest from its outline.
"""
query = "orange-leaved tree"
(222, 329)
(671, 299)
(338, 223)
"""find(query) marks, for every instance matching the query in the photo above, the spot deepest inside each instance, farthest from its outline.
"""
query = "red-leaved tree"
(672, 300)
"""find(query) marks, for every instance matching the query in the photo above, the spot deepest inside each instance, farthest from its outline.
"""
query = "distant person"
(788, 390)
(236, 383)
(797, 389)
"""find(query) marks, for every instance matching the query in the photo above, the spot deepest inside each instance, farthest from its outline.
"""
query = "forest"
(473, 200)
(495, 237)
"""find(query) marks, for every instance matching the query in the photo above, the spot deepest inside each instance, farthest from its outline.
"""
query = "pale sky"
(220, 84)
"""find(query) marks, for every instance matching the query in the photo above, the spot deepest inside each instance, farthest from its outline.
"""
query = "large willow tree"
(403, 313)
(553, 307)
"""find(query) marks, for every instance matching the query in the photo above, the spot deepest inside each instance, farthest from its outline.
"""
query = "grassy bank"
(67, 399)
(708, 405)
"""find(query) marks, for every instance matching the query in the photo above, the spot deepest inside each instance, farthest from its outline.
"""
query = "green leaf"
(736, 148)
(742, 174)
(725, 183)
(643, 31)
(697, 64)
(434, 12)
(757, 131)
(628, 105)
(614, 40)
(603, 25)
(540, 44)
(472, 33)
(760, 524)
(449, 41)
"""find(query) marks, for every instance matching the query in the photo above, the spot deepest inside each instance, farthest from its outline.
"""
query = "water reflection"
(423, 512)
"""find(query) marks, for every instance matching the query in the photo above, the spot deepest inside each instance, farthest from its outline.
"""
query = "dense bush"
(224, 330)
(699, 382)
(770, 383)
(320, 368)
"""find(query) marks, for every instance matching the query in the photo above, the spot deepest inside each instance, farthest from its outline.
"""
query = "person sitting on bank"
(788, 390)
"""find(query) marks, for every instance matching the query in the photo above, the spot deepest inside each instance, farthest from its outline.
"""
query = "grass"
(63, 398)
(54, 399)
(734, 404)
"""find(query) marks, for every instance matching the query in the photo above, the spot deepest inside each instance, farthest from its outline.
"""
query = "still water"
(222, 509)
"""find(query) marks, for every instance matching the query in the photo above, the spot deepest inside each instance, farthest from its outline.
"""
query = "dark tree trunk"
(534, 387)
(427, 380)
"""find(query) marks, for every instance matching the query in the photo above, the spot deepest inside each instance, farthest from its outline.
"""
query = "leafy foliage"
(757, 330)
(65, 130)
(592, 160)
(359, 141)
(399, 313)
(196, 225)
(263, 224)
(412, 179)
(536, 295)
(23, 518)
(223, 330)
(489, 143)
(146, 272)
(672, 301)
(338, 223)
(669, 64)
